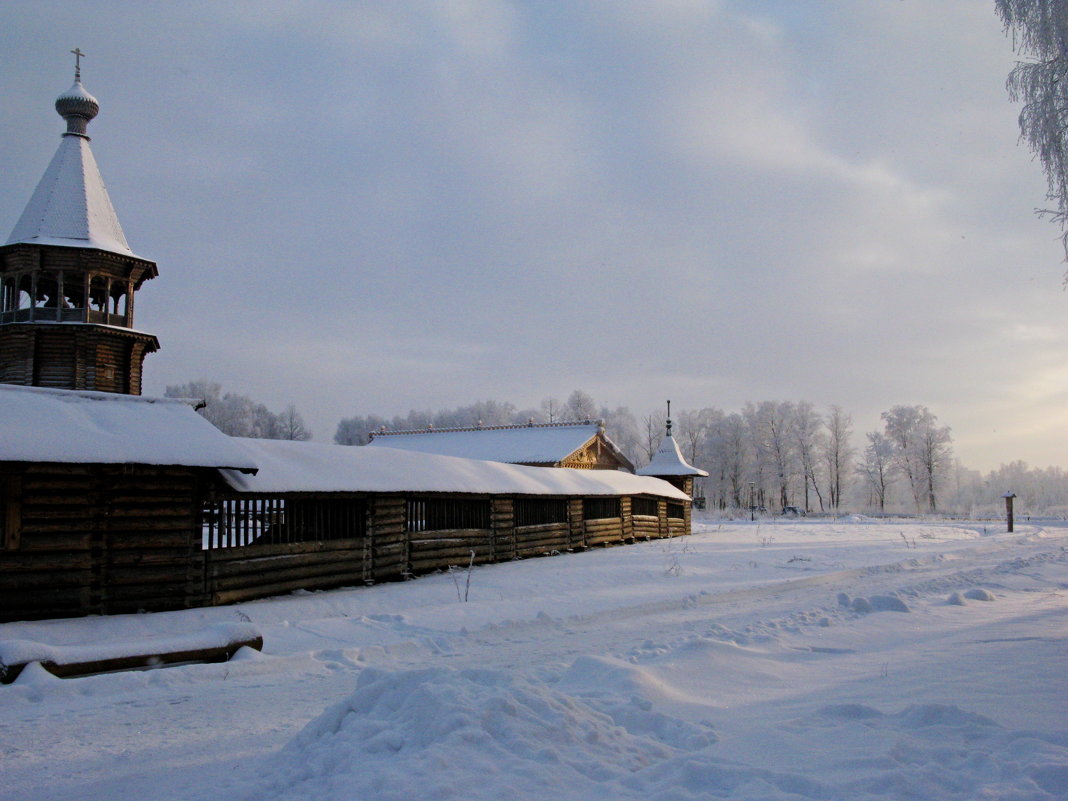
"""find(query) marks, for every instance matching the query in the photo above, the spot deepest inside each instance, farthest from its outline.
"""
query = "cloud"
(366, 207)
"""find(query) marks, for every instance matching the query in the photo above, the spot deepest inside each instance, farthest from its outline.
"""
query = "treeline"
(240, 416)
(771, 454)
(775, 454)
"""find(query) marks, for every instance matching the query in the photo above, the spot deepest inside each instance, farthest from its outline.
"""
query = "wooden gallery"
(111, 502)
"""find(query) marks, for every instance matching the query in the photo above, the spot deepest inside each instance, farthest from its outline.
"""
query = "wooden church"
(111, 502)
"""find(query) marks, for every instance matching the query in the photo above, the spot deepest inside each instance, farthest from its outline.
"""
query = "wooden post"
(1008, 496)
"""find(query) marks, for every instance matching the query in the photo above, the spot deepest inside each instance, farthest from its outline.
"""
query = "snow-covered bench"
(217, 643)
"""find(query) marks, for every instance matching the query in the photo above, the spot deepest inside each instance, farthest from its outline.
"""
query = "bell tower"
(68, 277)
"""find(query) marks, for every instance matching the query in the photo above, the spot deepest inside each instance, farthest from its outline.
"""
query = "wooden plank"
(265, 564)
(555, 543)
(46, 579)
(345, 571)
(456, 550)
(50, 602)
(178, 556)
(147, 574)
(554, 527)
(265, 590)
(45, 560)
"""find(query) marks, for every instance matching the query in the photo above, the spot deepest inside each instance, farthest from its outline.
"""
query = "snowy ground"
(773, 660)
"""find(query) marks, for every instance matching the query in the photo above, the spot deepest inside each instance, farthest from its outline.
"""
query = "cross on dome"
(78, 56)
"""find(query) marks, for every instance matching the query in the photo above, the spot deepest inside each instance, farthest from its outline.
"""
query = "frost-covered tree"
(901, 425)
(357, 430)
(736, 456)
(693, 428)
(1039, 30)
(935, 458)
(808, 441)
(552, 409)
(838, 453)
(922, 450)
(711, 458)
(653, 426)
(580, 407)
(621, 427)
(771, 428)
(291, 425)
(877, 466)
(237, 415)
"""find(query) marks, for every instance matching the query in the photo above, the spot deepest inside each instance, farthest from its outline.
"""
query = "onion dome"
(77, 107)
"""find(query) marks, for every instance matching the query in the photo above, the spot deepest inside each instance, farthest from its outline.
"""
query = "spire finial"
(669, 419)
(78, 56)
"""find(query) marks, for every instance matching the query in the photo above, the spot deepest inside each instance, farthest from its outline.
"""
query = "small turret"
(668, 463)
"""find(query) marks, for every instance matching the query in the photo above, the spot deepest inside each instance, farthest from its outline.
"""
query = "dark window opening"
(601, 508)
(540, 511)
(233, 522)
(645, 506)
(443, 514)
(676, 511)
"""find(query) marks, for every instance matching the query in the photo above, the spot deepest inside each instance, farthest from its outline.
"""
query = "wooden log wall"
(73, 357)
(627, 519)
(502, 519)
(93, 539)
(576, 531)
(542, 540)
(604, 531)
(438, 550)
(389, 543)
(255, 571)
(100, 540)
(646, 527)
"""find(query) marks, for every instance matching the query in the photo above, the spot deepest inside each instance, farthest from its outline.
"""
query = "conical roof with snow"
(70, 206)
(668, 461)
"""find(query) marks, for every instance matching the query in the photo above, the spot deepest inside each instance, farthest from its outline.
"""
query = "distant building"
(579, 445)
(68, 276)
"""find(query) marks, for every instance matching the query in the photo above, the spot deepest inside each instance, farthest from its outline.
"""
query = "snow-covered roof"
(70, 206)
(544, 443)
(312, 467)
(668, 461)
(68, 426)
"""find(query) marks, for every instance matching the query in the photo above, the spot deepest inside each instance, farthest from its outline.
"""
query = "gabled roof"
(70, 206)
(312, 467)
(74, 427)
(668, 461)
(535, 443)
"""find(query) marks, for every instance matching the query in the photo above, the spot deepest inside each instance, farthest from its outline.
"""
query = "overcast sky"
(369, 207)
